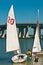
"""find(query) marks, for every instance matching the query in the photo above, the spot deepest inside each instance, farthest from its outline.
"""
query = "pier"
(22, 29)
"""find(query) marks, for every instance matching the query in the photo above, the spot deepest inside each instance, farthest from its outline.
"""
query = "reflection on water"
(24, 63)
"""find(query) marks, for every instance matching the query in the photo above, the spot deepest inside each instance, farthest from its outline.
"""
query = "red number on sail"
(10, 20)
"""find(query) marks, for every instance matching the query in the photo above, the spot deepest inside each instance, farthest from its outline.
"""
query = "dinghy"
(12, 42)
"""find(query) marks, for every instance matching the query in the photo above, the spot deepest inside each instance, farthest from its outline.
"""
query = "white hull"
(37, 53)
(17, 59)
(40, 53)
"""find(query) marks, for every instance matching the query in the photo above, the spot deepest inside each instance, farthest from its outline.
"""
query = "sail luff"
(12, 42)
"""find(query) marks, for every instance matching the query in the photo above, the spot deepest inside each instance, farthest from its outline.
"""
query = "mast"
(38, 19)
(38, 16)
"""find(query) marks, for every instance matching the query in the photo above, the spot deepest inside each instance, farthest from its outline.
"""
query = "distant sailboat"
(12, 43)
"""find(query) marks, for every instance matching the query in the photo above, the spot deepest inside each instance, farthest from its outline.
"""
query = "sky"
(24, 10)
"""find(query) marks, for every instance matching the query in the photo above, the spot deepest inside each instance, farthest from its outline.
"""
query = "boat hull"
(38, 53)
(17, 58)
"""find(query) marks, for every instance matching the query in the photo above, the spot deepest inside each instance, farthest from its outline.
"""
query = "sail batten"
(12, 42)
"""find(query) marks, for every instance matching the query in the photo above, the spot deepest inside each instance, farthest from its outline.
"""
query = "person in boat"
(20, 56)
(28, 53)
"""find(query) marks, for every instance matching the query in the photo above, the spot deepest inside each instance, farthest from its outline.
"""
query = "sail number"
(10, 20)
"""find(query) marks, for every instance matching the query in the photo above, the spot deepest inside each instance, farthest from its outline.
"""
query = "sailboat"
(36, 46)
(12, 42)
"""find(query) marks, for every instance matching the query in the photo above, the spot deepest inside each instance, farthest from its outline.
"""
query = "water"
(5, 58)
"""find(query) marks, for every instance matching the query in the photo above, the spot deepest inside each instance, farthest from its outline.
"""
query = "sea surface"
(25, 44)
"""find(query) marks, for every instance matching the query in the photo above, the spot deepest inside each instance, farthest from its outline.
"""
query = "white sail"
(36, 45)
(12, 42)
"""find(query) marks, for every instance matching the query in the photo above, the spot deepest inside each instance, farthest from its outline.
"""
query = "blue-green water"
(24, 45)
